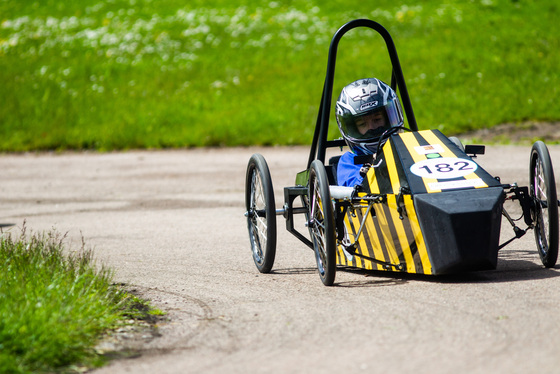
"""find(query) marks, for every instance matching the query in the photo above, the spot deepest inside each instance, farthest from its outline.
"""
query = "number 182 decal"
(444, 168)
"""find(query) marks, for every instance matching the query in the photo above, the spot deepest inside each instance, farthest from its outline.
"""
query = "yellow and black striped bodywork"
(422, 224)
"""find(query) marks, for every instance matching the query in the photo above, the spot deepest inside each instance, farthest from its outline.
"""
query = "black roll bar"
(319, 144)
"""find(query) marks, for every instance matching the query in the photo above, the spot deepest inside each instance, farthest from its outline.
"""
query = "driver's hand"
(364, 170)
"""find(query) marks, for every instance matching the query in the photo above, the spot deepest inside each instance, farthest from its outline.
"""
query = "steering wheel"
(386, 134)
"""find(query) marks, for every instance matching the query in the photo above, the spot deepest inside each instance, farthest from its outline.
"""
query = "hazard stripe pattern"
(387, 238)
(388, 235)
(405, 145)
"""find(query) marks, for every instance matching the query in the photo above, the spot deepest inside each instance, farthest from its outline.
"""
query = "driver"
(365, 109)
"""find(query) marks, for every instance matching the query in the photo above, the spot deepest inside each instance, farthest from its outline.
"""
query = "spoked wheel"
(545, 208)
(261, 213)
(321, 222)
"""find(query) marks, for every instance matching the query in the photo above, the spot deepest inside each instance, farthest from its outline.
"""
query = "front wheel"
(457, 142)
(261, 213)
(321, 222)
(544, 211)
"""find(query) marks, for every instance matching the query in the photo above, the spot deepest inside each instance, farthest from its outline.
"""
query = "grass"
(55, 304)
(121, 74)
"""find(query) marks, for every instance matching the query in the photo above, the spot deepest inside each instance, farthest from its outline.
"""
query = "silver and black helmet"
(365, 109)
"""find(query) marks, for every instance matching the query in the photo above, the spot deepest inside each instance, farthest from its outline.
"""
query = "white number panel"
(444, 168)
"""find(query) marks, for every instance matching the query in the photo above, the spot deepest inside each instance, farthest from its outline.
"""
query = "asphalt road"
(171, 225)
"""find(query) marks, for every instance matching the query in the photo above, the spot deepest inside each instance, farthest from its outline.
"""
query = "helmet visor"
(370, 125)
(394, 112)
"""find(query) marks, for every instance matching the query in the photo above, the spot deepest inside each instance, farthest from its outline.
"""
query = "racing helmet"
(365, 109)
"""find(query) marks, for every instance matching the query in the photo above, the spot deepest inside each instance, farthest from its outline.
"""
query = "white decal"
(477, 182)
(368, 105)
(444, 168)
(427, 149)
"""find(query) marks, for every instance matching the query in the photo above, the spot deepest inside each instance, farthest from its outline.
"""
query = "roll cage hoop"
(320, 142)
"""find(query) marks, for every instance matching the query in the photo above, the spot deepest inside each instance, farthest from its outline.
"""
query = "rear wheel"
(261, 213)
(545, 204)
(321, 222)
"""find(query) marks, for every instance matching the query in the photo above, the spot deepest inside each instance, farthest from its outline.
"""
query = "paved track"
(171, 224)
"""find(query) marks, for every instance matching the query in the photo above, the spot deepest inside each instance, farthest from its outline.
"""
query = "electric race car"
(425, 206)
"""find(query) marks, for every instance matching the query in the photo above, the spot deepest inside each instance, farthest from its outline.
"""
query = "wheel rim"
(257, 217)
(318, 228)
(540, 197)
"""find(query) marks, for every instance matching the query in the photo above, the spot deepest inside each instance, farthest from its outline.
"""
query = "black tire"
(261, 213)
(457, 142)
(545, 204)
(321, 222)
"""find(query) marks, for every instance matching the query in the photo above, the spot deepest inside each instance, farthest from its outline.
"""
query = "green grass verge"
(55, 304)
(120, 74)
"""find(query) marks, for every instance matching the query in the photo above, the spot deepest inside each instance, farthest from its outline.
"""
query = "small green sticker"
(433, 155)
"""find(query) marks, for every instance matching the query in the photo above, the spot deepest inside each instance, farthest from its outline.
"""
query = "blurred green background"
(123, 74)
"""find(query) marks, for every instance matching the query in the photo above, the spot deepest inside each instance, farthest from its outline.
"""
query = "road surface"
(171, 225)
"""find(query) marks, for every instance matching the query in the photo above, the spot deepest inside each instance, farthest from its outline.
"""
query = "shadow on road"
(373, 283)
(513, 266)
(366, 282)
(310, 270)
